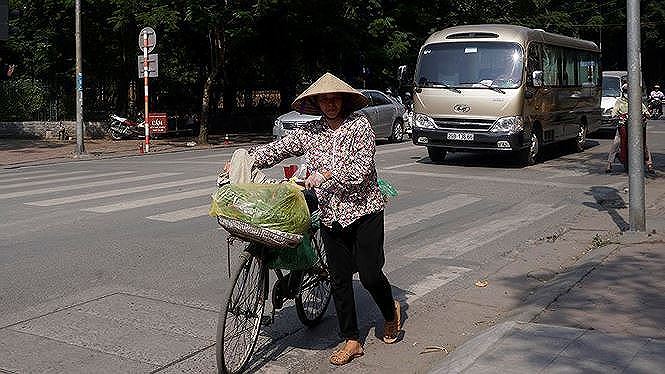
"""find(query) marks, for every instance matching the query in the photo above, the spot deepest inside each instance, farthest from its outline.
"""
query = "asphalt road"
(114, 265)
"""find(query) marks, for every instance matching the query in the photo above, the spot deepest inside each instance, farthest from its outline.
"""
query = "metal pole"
(635, 134)
(145, 84)
(80, 147)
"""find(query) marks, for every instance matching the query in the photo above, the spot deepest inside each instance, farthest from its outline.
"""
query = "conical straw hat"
(328, 83)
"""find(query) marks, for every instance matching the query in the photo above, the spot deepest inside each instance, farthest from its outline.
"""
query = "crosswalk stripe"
(466, 241)
(119, 192)
(531, 182)
(59, 180)
(395, 150)
(182, 214)
(32, 176)
(399, 219)
(84, 185)
(432, 282)
(220, 155)
(149, 201)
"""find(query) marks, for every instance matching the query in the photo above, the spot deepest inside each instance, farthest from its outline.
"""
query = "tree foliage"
(212, 53)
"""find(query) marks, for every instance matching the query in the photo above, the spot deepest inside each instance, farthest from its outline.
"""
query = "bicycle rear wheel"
(240, 316)
(314, 295)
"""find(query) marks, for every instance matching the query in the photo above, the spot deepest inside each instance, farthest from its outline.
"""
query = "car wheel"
(436, 154)
(580, 139)
(530, 155)
(397, 134)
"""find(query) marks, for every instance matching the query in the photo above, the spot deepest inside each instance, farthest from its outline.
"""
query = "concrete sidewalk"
(609, 319)
(22, 152)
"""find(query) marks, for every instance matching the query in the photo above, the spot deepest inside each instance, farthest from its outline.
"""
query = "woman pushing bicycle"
(339, 151)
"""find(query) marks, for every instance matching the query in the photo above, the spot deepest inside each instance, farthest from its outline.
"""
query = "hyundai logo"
(461, 108)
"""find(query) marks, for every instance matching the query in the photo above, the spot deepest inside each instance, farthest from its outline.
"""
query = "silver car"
(384, 114)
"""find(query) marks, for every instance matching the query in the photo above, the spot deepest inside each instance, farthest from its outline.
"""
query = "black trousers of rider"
(358, 246)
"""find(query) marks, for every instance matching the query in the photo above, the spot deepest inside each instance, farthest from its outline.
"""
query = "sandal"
(343, 357)
(391, 328)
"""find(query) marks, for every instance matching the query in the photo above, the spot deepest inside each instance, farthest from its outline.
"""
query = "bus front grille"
(460, 124)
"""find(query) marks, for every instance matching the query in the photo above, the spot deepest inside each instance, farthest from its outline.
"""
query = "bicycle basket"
(268, 237)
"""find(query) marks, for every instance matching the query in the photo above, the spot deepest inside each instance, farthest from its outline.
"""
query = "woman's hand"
(314, 180)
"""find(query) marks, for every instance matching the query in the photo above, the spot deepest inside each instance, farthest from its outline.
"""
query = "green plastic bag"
(297, 258)
(279, 206)
(386, 188)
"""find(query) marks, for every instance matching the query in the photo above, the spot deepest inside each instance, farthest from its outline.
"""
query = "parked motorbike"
(655, 106)
(123, 128)
(622, 126)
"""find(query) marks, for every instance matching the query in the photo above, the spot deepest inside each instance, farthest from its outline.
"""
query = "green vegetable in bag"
(279, 206)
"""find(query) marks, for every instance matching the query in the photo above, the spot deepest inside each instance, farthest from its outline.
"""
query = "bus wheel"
(580, 140)
(530, 155)
(436, 154)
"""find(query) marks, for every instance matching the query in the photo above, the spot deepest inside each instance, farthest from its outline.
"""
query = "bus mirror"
(537, 78)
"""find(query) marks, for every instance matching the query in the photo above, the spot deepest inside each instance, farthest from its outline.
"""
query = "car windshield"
(471, 65)
(611, 86)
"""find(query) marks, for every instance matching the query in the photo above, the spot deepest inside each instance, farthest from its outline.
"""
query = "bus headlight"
(508, 124)
(423, 121)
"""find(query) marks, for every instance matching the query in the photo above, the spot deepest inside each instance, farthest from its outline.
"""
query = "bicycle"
(241, 314)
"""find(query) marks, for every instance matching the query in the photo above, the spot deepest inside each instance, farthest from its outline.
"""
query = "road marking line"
(399, 219)
(119, 192)
(433, 282)
(182, 214)
(386, 151)
(149, 201)
(58, 180)
(42, 176)
(208, 156)
(84, 185)
(400, 166)
(489, 179)
(466, 241)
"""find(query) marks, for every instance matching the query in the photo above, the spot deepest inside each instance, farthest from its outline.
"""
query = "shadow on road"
(324, 336)
(608, 200)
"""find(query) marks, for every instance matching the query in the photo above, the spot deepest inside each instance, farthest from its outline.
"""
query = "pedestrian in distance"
(621, 107)
(339, 150)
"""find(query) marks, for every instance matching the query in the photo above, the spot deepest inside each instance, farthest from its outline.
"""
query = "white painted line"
(399, 219)
(192, 162)
(394, 150)
(433, 282)
(59, 180)
(399, 166)
(182, 214)
(466, 241)
(220, 155)
(84, 185)
(655, 132)
(32, 176)
(488, 179)
(150, 201)
(119, 192)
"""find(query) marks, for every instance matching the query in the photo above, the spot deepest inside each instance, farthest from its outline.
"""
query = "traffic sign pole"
(145, 83)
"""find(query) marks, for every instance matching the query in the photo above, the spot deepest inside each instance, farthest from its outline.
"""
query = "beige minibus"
(504, 88)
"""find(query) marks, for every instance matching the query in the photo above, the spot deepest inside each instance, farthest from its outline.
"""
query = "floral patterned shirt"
(348, 153)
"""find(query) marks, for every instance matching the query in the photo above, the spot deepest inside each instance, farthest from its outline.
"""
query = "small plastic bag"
(387, 188)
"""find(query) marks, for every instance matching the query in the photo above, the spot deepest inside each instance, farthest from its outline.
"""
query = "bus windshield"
(471, 65)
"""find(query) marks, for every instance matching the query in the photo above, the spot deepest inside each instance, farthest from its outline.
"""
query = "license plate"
(459, 136)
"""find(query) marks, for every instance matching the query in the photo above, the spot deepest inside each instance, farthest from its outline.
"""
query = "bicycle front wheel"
(314, 295)
(240, 317)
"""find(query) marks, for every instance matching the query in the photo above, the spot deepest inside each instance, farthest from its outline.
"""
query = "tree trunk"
(217, 46)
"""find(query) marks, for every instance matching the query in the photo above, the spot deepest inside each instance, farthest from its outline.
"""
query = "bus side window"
(551, 60)
(534, 62)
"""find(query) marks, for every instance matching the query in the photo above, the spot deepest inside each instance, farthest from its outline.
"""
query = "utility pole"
(80, 148)
(635, 135)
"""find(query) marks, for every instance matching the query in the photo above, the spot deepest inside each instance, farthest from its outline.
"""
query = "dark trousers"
(358, 246)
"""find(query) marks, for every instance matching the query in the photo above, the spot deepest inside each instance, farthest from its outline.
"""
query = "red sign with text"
(159, 123)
